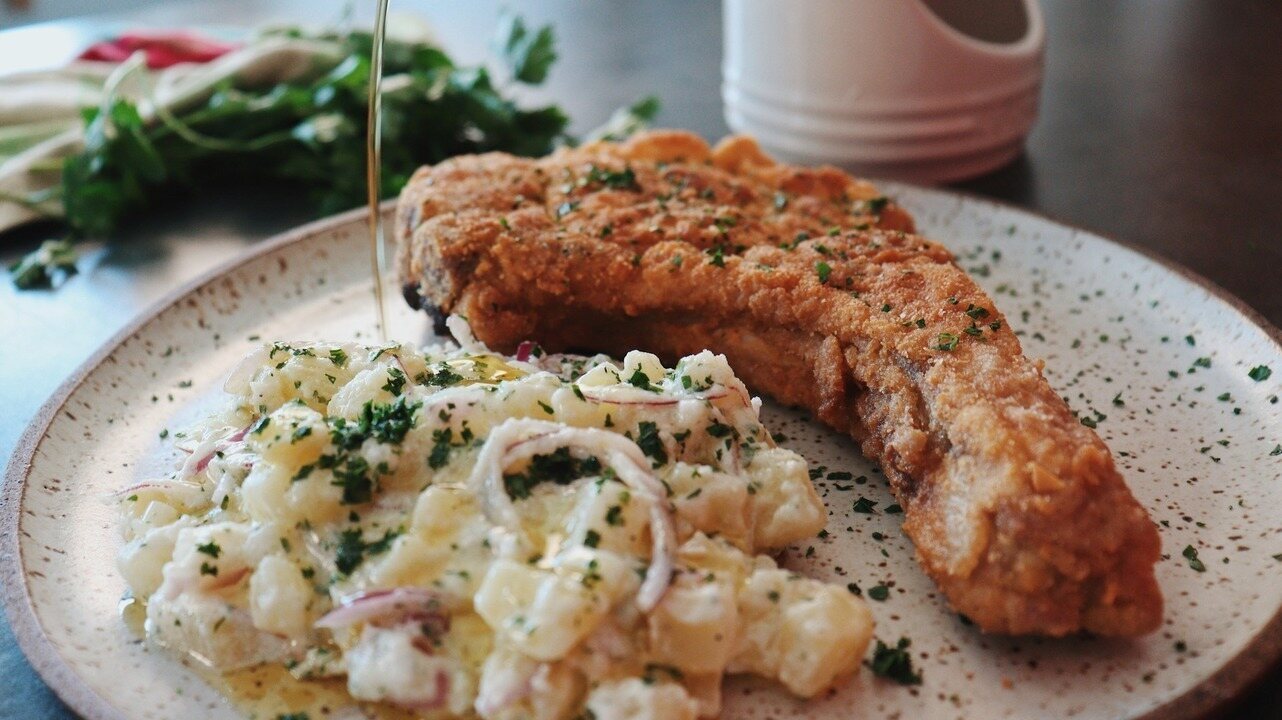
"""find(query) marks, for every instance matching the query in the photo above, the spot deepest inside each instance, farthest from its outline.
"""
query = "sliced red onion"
(205, 451)
(173, 487)
(627, 395)
(524, 350)
(389, 606)
(520, 439)
(225, 580)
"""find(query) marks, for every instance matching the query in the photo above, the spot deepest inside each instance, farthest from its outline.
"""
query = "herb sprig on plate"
(309, 132)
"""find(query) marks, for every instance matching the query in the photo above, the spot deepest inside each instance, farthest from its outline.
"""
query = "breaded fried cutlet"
(816, 289)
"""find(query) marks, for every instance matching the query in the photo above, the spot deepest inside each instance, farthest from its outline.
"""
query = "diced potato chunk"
(694, 628)
(805, 633)
(279, 597)
(786, 507)
(633, 699)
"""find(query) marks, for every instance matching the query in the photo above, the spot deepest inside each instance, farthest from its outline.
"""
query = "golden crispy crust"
(663, 243)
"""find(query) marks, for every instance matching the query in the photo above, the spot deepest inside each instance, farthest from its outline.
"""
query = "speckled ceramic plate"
(1160, 360)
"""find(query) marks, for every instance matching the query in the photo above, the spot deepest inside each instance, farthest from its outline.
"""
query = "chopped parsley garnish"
(823, 270)
(444, 376)
(558, 466)
(442, 441)
(894, 663)
(1260, 373)
(1089, 422)
(650, 443)
(614, 515)
(641, 380)
(894, 509)
(207, 569)
(872, 206)
(338, 357)
(716, 255)
(546, 408)
(879, 592)
(624, 179)
(258, 427)
(592, 538)
(352, 475)
(385, 423)
(1190, 554)
(976, 313)
(293, 716)
(396, 381)
(864, 505)
(352, 548)
(719, 429)
(210, 548)
(1202, 362)
(946, 342)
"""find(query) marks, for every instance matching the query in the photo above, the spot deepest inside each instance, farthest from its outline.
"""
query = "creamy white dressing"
(454, 532)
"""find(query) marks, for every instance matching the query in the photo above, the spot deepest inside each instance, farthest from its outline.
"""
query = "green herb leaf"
(628, 120)
(559, 467)
(894, 663)
(641, 380)
(1260, 373)
(864, 505)
(46, 266)
(1190, 554)
(529, 54)
(823, 270)
(650, 443)
(310, 130)
(352, 548)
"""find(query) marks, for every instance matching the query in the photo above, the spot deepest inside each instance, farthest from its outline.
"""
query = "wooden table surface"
(1161, 125)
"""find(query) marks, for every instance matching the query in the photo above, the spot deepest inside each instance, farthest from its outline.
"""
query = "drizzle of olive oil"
(268, 691)
(374, 164)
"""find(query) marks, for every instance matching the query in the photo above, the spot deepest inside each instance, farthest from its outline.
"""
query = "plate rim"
(1215, 694)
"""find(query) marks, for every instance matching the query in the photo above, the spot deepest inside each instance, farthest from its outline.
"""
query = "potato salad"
(462, 534)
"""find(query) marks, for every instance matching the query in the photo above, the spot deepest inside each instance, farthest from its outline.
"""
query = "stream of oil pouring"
(373, 165)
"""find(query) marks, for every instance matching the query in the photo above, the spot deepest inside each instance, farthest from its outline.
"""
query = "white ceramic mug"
(920, 90)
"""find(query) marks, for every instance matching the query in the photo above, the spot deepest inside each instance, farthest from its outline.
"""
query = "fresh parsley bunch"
(310, 133)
